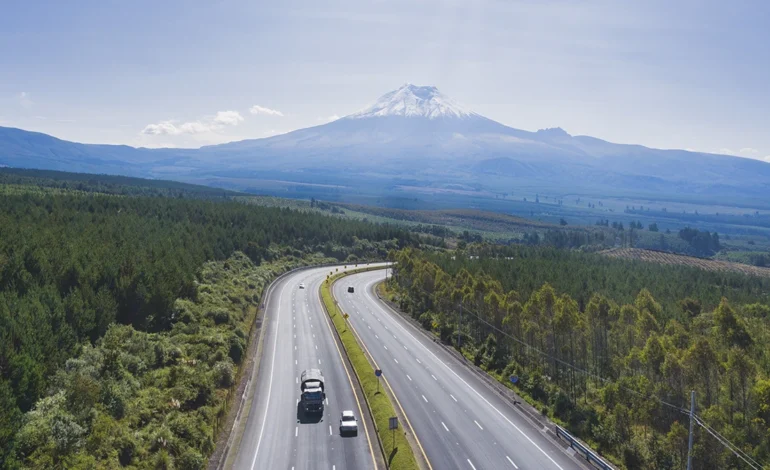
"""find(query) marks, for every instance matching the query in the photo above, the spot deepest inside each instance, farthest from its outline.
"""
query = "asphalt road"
(299, 337)
(460, 422)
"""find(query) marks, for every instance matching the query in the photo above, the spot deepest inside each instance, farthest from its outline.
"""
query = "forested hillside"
(73, 263)
(608, 347)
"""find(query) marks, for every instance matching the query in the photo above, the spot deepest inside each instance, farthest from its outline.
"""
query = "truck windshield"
(312, 395)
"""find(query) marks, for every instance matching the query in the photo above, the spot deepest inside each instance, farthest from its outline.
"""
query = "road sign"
(514, 379)
(377, 372)
(393, 423)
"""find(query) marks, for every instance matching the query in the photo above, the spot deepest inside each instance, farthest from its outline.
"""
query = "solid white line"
(474, 391)
(447, 429)
(270, 385)
(407, 376)
(434, 377)
(426, 400)
(469, 461)
(395, 360)
(296, 431)
(477, 424)
(453, 397)
(509, 459)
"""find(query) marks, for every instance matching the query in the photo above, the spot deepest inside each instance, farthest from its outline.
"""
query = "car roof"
(348, 413)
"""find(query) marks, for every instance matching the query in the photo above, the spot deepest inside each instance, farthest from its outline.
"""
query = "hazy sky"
(671, 74)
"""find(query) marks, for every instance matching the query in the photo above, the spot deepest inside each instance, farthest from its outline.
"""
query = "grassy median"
(398, 455)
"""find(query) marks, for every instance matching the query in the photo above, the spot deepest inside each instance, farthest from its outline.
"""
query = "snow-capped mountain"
(416, 134)
(414, 101)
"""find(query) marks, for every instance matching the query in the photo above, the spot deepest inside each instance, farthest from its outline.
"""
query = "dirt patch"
(661, 257)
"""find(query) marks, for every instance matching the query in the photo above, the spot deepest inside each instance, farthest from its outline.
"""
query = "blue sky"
(683, 74)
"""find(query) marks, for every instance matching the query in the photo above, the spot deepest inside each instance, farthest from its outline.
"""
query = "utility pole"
(692, 421)
(459, 325)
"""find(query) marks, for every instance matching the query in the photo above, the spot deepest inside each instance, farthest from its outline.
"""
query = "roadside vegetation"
(609, 348)
(92, 287)
(398, 454)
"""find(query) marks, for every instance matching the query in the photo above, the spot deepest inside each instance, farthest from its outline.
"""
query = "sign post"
(378, 374)
(393, 425)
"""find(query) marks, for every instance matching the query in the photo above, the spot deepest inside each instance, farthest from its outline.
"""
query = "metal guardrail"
(584, 451)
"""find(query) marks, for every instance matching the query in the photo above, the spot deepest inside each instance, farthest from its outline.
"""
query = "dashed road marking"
(453, 397)
(509, 459)
(296, 431)
(395, 360)
(434, 377)
(407, 376)
(471, 464)
(477, 424)
(426, 400)
(447, 429)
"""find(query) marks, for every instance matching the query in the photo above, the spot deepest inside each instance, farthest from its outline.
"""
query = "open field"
(669, 258)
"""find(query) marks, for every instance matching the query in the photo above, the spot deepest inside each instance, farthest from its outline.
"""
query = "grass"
(398, 454)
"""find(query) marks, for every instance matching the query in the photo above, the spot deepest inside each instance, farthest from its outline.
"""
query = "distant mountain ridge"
(419, 134)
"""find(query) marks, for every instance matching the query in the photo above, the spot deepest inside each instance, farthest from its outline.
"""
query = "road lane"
(460, 422)
(298, 338)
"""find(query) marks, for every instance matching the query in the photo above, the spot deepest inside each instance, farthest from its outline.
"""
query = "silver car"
(348, 423)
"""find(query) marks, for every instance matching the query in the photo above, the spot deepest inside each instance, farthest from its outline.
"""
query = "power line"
(721, 439)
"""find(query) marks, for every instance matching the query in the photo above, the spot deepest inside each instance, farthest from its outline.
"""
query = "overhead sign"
(377, 372)
(393, 422)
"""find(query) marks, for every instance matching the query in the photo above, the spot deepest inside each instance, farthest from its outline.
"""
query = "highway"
(299, 337)
(459, 421)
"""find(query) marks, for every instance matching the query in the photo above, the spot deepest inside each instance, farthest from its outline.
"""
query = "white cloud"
(24, 100)
(228, 118)
(748, 151)
(767, 159)
(172, 127)
(726, 151)
(331, 118)
(257, 109)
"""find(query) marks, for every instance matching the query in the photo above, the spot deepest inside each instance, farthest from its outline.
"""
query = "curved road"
(459, 421)
(299, 337)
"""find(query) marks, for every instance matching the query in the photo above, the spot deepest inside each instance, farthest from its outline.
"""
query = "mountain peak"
(553, 132)
(414, 101)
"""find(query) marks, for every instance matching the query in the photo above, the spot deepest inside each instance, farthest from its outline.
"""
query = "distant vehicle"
(351, 289)
(313, 394)
(301, 285)
(348, 423)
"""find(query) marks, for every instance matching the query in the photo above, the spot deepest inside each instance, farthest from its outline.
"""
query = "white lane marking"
(334, 467)
(295, 362)
(270, 385)
(295, 347)
(405, 346)
(330, 429)
(426, 400)
(296, 431)
(453, 397)
(386, 348)
(514, 465)
(369, 327)
(477, 424)
(474, 391)
(313, 335)
(447, 429)
(295, 336)
(294, 326)
(434, 377)
(395, 360)
(471, 463)
(418, 361)
(316, 346)
(319, 361)
(296, 380)
(375, 335)
(407, 376)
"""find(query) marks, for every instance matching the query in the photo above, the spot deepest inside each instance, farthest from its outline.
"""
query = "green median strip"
(398, 452)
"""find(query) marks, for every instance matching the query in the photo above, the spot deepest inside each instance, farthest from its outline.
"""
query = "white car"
(301, 285)
(348, 423)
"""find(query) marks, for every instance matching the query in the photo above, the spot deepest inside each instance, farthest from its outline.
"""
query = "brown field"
(670, 258)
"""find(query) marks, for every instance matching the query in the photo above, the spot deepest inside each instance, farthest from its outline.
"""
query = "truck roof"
(312, 378)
